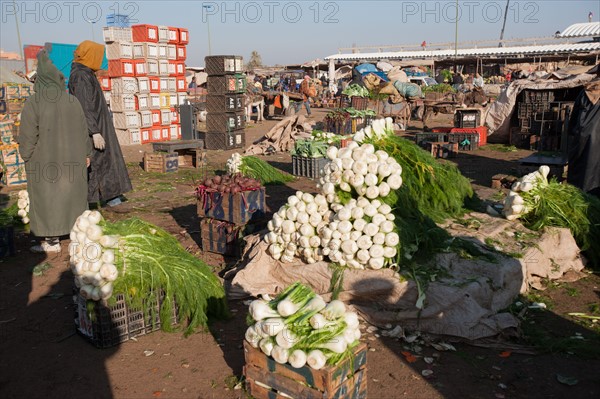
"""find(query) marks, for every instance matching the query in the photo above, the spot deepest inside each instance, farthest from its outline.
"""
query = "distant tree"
(255, 60)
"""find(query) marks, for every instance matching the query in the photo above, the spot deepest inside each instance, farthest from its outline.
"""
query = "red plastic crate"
(118, 68)
(181, 84)
(481, 130)
(165, 133)
(146, 135)
(141, 69)
(155, 117)
(105, 83)
(176, 68)
(173, 35)
(145, 33)
(184, 36)
(442, 129)
(181, 53)
(154, 84)
(174, 116)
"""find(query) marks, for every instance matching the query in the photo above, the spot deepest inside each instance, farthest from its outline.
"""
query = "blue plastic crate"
(62, 54)
(118, 20)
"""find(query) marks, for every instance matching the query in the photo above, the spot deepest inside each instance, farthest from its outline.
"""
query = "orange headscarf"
(90, 54)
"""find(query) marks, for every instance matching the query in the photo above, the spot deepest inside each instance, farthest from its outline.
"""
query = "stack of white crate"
(147, 81)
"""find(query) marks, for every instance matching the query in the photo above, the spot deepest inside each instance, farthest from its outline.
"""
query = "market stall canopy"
(587, 29)
(314, 63)
(498, 117)
(549, 49)
(343, 72)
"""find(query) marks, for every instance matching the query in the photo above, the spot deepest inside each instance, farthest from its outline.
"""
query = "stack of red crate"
(164, 50)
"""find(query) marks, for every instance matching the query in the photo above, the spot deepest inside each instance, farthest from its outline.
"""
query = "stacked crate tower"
(12, 100)
(146, 81)
(225, 118)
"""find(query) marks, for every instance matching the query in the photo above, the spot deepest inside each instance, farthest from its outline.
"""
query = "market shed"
(555, 90)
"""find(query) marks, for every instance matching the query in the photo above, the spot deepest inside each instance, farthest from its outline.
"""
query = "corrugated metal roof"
(473, 52)
(588, 29)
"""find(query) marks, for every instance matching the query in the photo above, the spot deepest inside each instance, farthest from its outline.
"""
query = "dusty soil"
(42, 356)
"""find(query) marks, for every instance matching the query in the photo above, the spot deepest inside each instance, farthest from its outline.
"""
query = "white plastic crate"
(115, 34)
(152, 66)
(156, 134)
(143, 85)
(171, 52)
(174, 116)
(141, 68)
(145, 50)
(163, 67)
(143, 102)
(155, 118)
(146, 119)
(165, 117)
(118, 50)
(107, 96)
(172, 85)
(181, 97)
(163, 51)
(129, 136)
(122, 103)
(154, 101)
(164, 84)
(178, 131)
(146, 134)
(163, 34)
(173, 100)
(124, 85)
(173, 133)
(175, 69)
(126, 120)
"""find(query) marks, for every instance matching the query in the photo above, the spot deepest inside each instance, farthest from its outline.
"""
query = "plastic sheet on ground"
(282, 136)
(465, 304)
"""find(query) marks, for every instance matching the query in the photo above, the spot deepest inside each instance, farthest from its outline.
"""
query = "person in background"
(305, 91)
(193, 84)
(478, 81)
(457, 80)
(108, 177)
(55, 146)
(439, 78)
(469, 79)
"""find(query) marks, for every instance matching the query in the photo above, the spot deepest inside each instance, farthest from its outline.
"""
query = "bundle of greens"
(326, 137)
(337, 115)
(138, 259)
(439, 88)
(355, 90)
(310, 148)
(299, 328)
(356, 113)
(256, 168)
(544, 203)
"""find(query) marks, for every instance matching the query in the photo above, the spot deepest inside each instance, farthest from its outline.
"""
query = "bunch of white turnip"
(233, 163)
(92, 257)
(514, 204)
(361, 235)
(294, 229)
(369, 173)
(299, 328)
(23, 205)
(377, 130)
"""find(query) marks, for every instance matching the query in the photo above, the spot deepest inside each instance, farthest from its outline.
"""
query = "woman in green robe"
(54, 144)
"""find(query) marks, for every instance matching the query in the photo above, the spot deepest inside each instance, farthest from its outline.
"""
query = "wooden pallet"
(266, 379)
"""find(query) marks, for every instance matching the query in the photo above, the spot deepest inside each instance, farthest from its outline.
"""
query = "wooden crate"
(443, 150)
(14, 175)
(161, 162)
(239, 208)
(215, 237)
(345, 381)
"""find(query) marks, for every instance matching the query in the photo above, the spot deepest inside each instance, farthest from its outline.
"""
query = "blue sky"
(288, 32)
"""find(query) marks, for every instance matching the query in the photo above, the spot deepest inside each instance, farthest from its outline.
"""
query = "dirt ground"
(555, 355)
